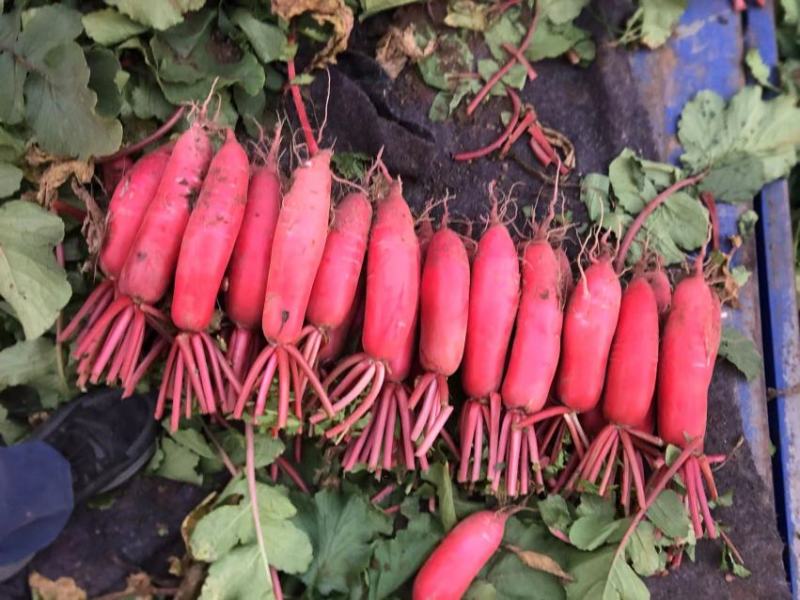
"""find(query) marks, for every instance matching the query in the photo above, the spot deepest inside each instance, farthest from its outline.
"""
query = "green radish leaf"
(551, 40)
(741, 352)
(396, 560)
(110, 27)
(10, 179)
(758, 68)
(373, 7)
(466, 14)
(659, 18)
(745, 143)
(555, 512)
(439, 475)
(156, 13)
(601, 575)
(452, 56)
(10, 431)
(192, 440)
(176, 462)
(508, 29)
(747, 223)
(592, 505)
(591, 532)
(11, 147)
(342, 527)
(642, 551)
(30, 279)
(239, 575)
(268, 41)
(34, 363)
(351, 165)
(267, 448)
(105, 80)
(562, 11)
(668, 514)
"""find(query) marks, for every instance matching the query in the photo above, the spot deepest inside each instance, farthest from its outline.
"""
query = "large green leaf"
(745, 143)
(10, 179)
(109, 27)
(239, 575)
(741, 352)
(268, 41)
(30, 279)
(603, 576)
(158, 14)
(343, 526)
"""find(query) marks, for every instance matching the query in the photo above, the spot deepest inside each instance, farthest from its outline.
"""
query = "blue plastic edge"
(779, 314)
(708, 55)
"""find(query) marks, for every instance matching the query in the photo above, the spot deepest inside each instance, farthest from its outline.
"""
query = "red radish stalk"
(249, 266)
(159, 133)
(392, 297)
(336, 284)
(533, 361)
(196, 367)
(444, 310)
(297, 249)
(111, 330)
(493, 302)
(457, 560)
(113, 172)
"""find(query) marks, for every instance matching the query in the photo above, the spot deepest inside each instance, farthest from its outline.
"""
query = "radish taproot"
(297, 249)
(493, 301)
(390, 314)
(444, 310)
(249, 265)
(118, 335)
(129, 201)
(196, 367)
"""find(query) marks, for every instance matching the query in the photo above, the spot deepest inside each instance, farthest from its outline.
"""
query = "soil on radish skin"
(601, 110)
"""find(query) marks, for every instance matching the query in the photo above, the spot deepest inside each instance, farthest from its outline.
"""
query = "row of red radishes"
(181, 213)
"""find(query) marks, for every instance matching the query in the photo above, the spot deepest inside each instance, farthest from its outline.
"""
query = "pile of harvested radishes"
(552, 364)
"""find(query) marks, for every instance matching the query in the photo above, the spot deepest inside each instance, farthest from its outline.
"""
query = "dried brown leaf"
(63, 588)
(397, 47)
(197, 513)
(540, 562)
(94, 227)
(334, 12)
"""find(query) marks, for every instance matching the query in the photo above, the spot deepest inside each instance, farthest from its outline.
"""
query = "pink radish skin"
(457, 560)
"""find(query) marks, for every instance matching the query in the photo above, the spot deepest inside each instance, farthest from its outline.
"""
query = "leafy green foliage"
(34, 363)
(605, 576)
(30, 279)
(396, 560)
(674, 228)
(226, 537)
(343, 527)
(653, 21)
(439, 475)
(154, 13)
(741, 352)
(744, 144)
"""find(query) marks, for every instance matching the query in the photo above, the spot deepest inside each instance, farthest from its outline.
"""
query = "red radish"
(444, 309)
(457, 560)
(628, 398)
(659, 281)
(113, 172)
(493, 302)
(249, 265)
(534, 359)
(392, 296)
(117, 337)
(336, 284)
(297, 249)
(567, 280)
(126, 211)
(339, 337)
(532, 365)
(196, 366)
(686, 363)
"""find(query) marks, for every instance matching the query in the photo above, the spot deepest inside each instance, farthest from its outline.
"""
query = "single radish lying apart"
(336, 284)
(493, 302)
(444, 310)
(127, 208)
(457, 560)
(627, 399)
(117, 336)
(249, 266)
(297, 249)
(390, 315)
(196, 367)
